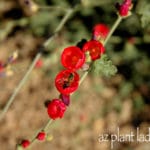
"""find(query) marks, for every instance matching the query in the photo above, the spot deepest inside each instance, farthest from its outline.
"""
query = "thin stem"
(65, 18)
(83, 77)
(34, 139)
(17, 89)
(47, 125)
(45, 128)
(115, 25)
(52, 8)
(24, 79)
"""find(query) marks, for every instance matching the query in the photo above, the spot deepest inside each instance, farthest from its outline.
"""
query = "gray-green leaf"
(104, 67)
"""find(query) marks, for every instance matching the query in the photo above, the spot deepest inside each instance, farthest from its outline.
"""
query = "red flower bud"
(65, 99)
(25, 143)
(41, 136)
(56, 109)
(72, 58)
(67, 81)
(123, 10)
(100, 31)
(95, 48)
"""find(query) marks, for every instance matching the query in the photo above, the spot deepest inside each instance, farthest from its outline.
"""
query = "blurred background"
(101, 104)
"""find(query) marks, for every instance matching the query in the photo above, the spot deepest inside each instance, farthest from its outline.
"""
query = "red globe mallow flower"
(67, 81)
(72, 58)
(56, 109)
(100, 31)
(25, 143)
(41, 136)
(95, 48)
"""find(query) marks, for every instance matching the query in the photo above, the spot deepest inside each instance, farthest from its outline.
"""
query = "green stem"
(45, 128)
(53, 8)
(32, 141)
(24, 79)
(66, 17)
(83, 77)
(17, 89)
(47, 125)
(115, 25)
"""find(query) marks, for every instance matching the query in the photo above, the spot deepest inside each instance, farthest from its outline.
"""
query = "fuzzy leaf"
(104, 67)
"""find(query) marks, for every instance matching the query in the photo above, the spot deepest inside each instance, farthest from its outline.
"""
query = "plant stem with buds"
(115, 25)
(47, 125)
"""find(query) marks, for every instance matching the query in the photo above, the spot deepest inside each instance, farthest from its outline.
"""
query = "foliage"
(143, 9)
(104, 67)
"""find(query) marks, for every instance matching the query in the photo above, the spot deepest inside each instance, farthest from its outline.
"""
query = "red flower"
(95, 48)
(25, 143)
(56, 109)
(41, 136)
(67, 81)
(100, 31)
(72, 58)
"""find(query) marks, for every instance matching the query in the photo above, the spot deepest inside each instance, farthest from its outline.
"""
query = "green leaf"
(104, 67)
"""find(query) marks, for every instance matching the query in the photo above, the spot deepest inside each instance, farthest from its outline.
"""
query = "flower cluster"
(124, 8)
(74, 58)
(67, 80)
